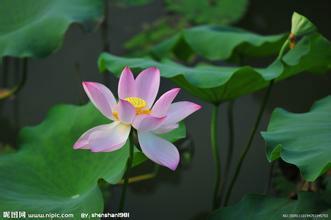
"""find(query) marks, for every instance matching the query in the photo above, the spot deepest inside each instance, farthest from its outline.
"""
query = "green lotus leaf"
(217, 84)
(301, 25)
(35, 28)
(259, 207)
(215, 42)
(176, 134)
(302, 139)
(48, 176)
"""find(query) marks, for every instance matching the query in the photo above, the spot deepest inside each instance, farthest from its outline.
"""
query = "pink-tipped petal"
(159, 150)
(165, 129)
(126, 111)
(101, 97)
(147, 85)
(83, 141)
(180, 110)
(162, 105)
(126, 85)
(110, 139)
(147, 122)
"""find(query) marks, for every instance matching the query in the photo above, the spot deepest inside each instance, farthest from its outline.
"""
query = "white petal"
(110, 139)
(159, 150)
(101, 97)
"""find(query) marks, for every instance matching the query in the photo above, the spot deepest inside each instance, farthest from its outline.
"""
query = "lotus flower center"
(138, 103)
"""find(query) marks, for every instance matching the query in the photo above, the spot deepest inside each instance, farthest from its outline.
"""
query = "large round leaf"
(35, 28)
(216, 42)
(259, 207)
(302, 139)
(47, 176)
(217, 84)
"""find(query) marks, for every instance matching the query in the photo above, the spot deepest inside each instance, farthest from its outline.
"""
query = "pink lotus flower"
(135, 109)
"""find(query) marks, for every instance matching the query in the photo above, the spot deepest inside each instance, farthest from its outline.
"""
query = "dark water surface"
(186, 193)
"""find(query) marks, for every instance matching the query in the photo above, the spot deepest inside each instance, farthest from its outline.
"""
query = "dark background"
(186, 193)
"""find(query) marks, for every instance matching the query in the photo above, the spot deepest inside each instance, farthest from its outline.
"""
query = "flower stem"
(215, 152)
(229, 155)
(271, 173)
(127, 173)
(231, 135)
(249, 143)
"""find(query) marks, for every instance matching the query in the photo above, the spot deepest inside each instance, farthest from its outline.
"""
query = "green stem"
(269, 183)
(231, 136)
(249, 144)
(229, 155)
(215, 151)
(127, 173)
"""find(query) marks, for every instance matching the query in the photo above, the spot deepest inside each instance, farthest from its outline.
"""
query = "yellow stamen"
(115, 114)
(143, 111)
(138, 103)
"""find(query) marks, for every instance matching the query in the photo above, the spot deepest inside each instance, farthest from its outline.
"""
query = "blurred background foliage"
(182, 14)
